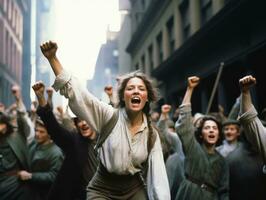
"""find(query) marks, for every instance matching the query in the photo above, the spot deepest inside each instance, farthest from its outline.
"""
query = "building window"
(184, 11)
(206, 10)
(159, 41)
(171, 34)
(150, 52)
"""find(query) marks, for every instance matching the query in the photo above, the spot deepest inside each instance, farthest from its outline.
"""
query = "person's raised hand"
(49, 91)
(16, 92)
(193, 81)
(39, 88)
(49, 49)
(246, 83)
(165, 109)
(108, 90)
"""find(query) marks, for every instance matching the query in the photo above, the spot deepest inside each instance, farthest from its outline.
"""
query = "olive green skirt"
(110, 186)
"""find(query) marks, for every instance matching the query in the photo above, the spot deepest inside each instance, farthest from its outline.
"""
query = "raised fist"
(165, 109)
(108, 90)
(16, 91)
(193, 81)
(39, 88)
(246, 83)
(49, 49)
(49, 91)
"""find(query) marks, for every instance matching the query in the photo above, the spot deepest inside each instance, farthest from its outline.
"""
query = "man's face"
(231, 132)
(85, 129)
(41, 134)
(3, 128)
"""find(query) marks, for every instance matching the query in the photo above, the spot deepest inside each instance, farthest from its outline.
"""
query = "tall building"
(26, 59)
(14, 39)
(44, 30)
(174, 39)
(106, 67)
(124, 36)
(45, 13)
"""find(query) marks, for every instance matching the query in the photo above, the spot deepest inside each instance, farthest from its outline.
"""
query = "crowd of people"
(124, 149)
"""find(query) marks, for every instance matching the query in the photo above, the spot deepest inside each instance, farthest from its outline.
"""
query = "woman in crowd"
(206, 172)
(131, 161)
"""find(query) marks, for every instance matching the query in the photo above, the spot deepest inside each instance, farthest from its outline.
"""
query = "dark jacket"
(14, 156)
(80, 161)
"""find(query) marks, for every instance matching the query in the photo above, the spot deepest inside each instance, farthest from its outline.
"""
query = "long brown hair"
(152, 97)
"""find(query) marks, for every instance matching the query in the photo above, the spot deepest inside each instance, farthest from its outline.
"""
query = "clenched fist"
(246, 83)
(193, 81)
(49, 49)
(39, 88)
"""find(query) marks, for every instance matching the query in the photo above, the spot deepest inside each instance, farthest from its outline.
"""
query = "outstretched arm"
(184, 125)
(25, 125)
(39, 88)
(50, 92)
(49, 51)
(254, 130)
(62, 137)
(83, 104)
(109, 91)
(245, 84)
(193, 81)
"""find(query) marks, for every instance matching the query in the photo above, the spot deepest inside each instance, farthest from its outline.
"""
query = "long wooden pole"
(214, 89)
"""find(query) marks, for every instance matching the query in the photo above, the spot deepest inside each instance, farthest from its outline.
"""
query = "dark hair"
(122, 83)
(198, 132)
(76, 120)
(4, 119)
(152, 96)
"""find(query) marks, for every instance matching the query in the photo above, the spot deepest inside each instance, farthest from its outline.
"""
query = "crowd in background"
(47, 154)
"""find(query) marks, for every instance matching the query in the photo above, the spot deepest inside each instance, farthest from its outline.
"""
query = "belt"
(10, 173)
(201, 184)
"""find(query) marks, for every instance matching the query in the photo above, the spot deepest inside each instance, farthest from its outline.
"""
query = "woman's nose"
(136, 90)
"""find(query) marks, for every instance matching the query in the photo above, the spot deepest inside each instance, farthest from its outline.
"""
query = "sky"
(80, 30)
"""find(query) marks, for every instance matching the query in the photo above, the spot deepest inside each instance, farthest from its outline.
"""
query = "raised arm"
(193, 81)
(25, 125)
(254, 130)
(162, 123)
(109, 91)
(245, 84)
(83, 104)
(49, 51)
(39, 88)
(62, 137)
(50, 92)
(184, 125)
(235, 109)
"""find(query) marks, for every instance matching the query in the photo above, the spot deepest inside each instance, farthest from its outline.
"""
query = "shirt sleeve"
(157, 181)
(254, 130)
(185, 129)
(25, 125)
(82, 103)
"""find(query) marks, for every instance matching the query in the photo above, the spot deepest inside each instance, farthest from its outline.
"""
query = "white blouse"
(120, 153)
